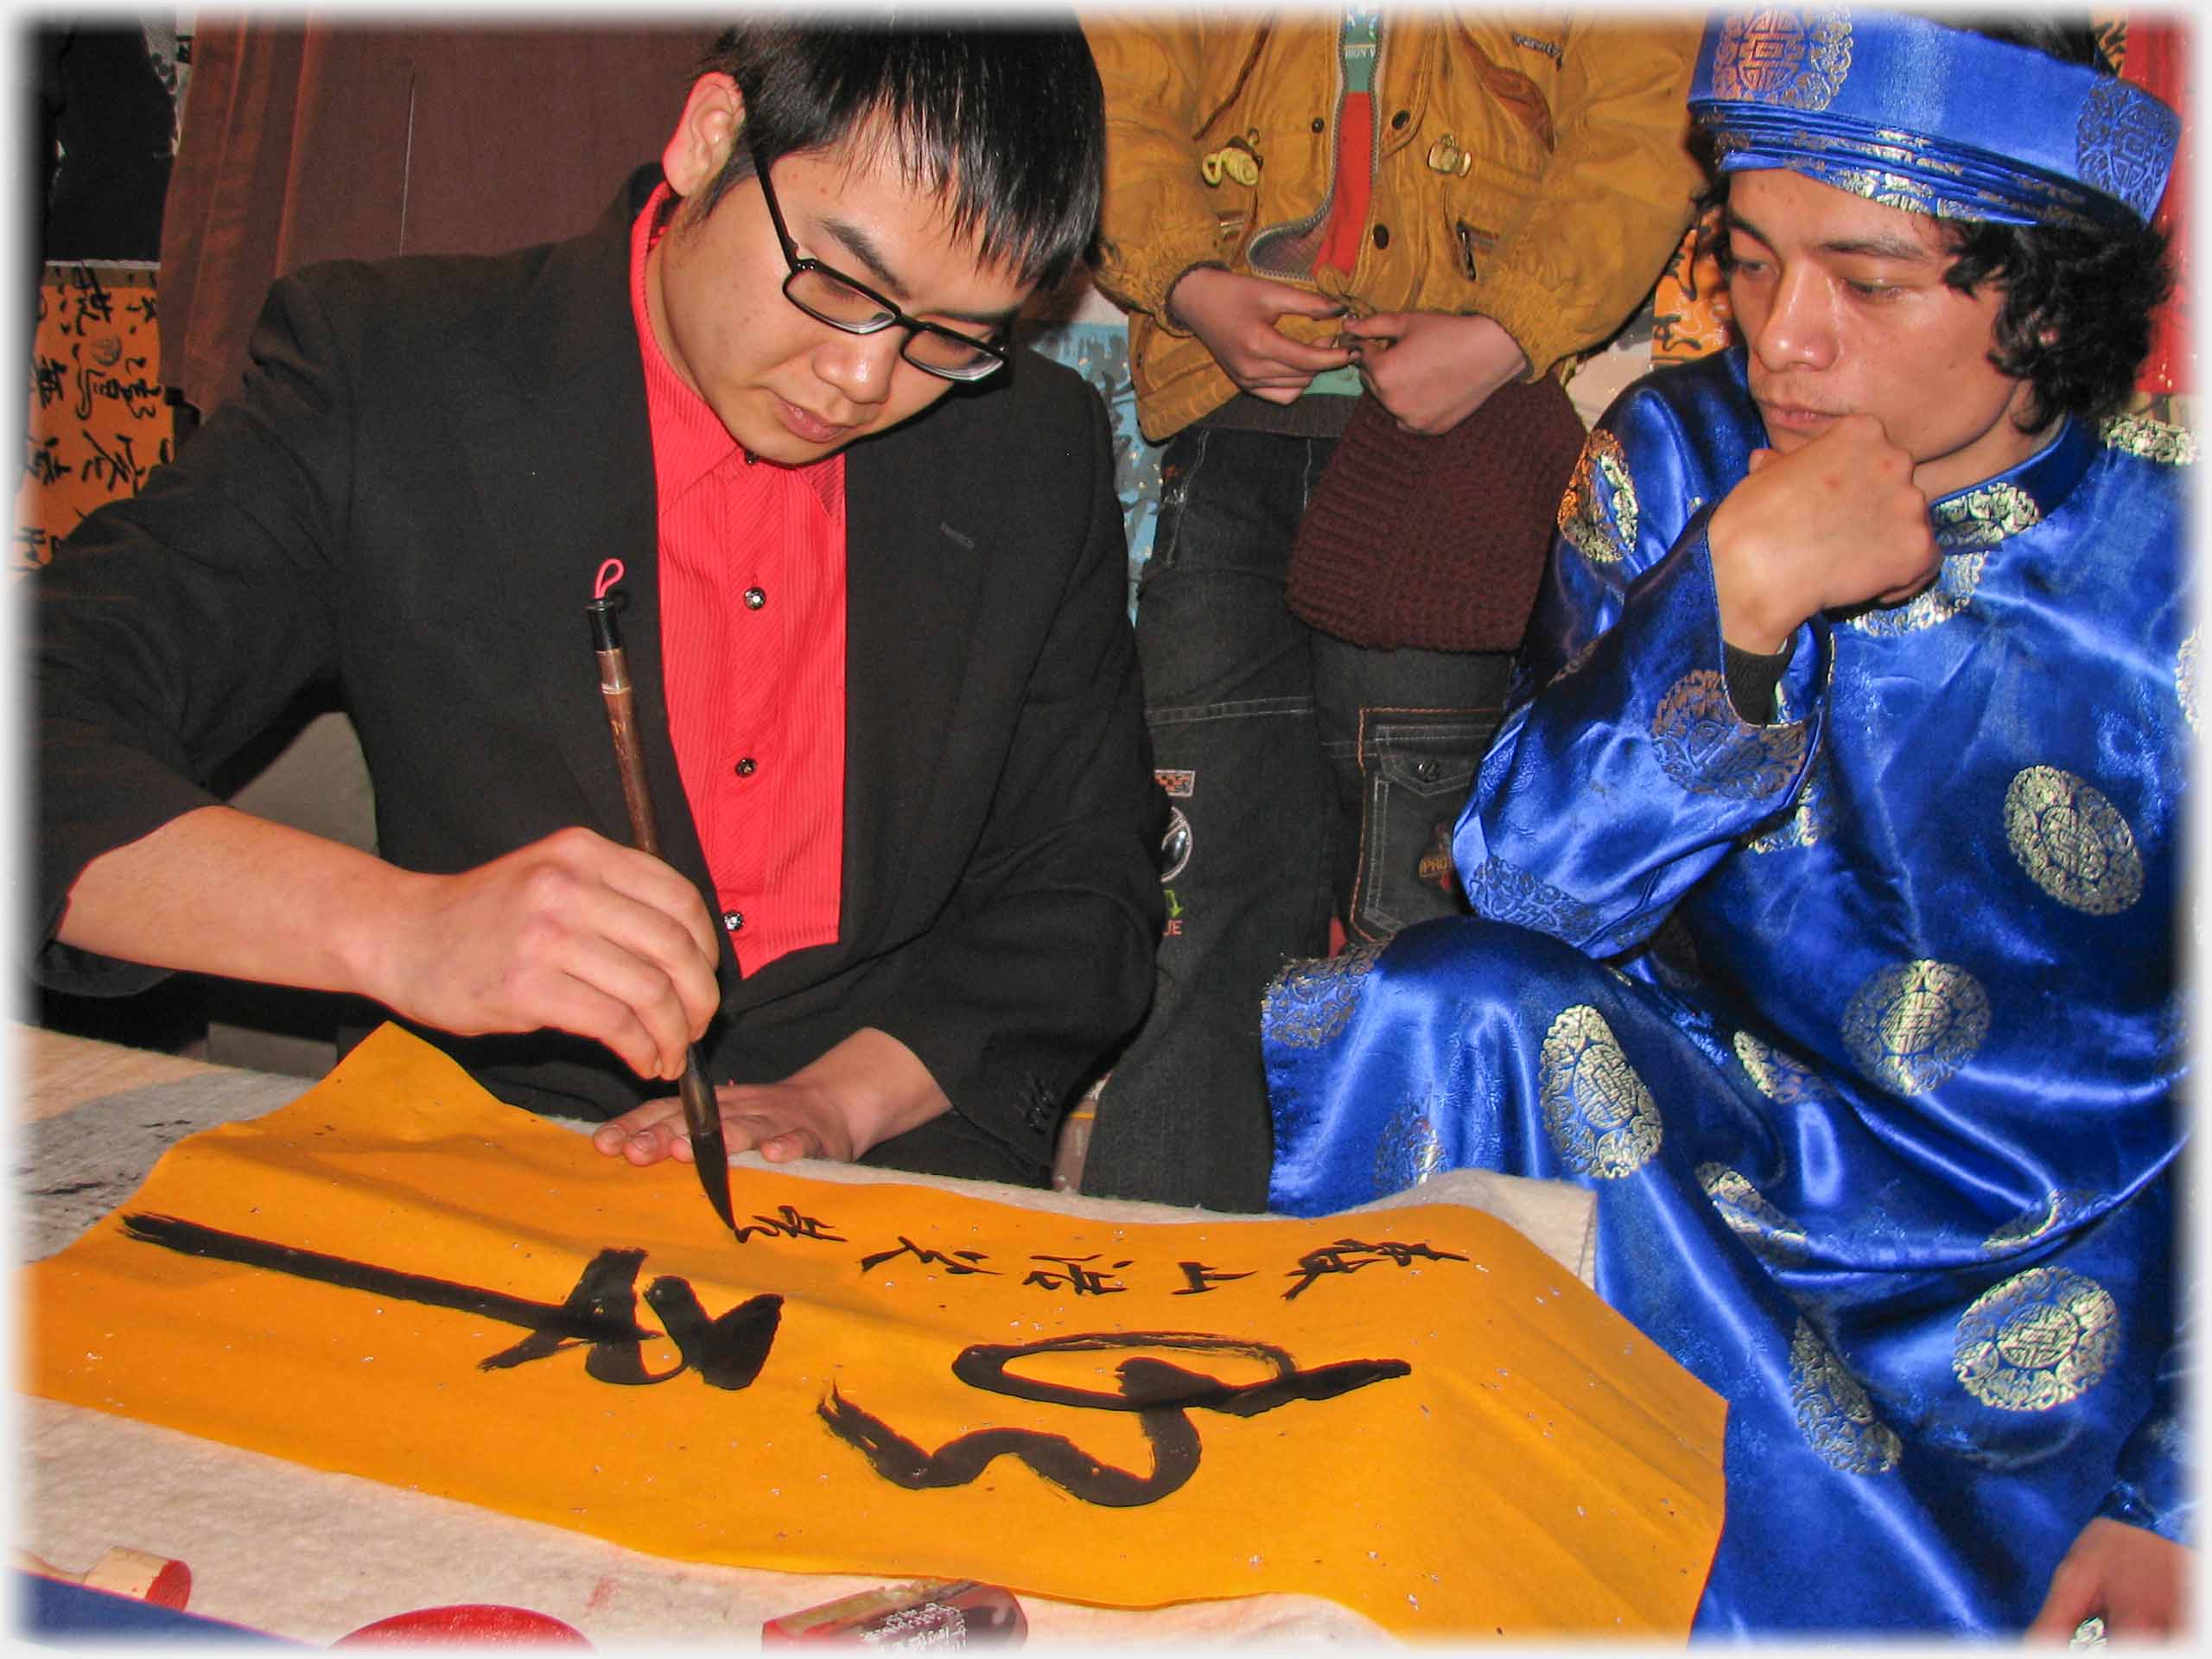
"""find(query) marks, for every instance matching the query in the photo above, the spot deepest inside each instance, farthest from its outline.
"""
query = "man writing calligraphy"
(873, 563)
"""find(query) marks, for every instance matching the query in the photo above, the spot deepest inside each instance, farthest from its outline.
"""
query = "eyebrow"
(857, 242)
(1868, 247)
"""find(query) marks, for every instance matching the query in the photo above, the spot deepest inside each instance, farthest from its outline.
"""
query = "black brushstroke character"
(788, 1222)
(1350, 1255)
(1074, 1275)
(121, 471)
(1198, 1278)
(85, 300)
(958, 1262)
(727, 1352)
(42, 460)
(1162, 1395)
(599, 1313)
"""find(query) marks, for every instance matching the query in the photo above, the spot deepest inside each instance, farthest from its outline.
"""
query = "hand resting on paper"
(868, 1088)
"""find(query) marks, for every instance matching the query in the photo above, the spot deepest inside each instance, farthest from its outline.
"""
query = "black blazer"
(429, 462)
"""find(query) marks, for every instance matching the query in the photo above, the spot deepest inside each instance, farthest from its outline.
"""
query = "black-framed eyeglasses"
(832, 297)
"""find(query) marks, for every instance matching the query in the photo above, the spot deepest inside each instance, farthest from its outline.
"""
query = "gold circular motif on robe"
(1780, 55)
(1777, 1076)
(1598, 515)
(1409, 1150)
(1763, 1228)
(2149, 439)
(1836, 1412)
(2072, 842)
(1602, 1120)
(1911, 1026)
(2039, 1339)
(1506, 892)
(1985, 516)
(1809, 820)
(2064, 1205)
(1308, 1002)
(1707, 749)
(2185, 677)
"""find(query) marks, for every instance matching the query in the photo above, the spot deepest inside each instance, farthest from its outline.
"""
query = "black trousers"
(1309, 778)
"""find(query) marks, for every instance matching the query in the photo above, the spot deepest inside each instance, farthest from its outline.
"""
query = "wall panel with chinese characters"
(98, 421)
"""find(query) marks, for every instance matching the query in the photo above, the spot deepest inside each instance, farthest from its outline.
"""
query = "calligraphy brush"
(710, 1155)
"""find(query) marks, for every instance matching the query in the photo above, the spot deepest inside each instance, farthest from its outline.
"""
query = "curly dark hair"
(2074, 320)
(2074, 316)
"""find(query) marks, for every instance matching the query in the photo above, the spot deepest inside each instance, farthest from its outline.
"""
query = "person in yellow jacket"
(1363, 247)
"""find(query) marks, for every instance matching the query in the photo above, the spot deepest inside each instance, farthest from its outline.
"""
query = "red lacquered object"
(473, 1621)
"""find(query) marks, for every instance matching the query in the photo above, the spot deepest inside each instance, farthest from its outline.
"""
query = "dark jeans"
(1308, 777)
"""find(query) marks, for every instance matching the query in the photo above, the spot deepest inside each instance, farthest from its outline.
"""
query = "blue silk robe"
(1863, 1023)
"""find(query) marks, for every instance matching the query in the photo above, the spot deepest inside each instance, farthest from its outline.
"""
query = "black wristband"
(1752, 679)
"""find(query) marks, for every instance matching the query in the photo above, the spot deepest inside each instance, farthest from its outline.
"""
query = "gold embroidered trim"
(2149, 439)
(1985, 516)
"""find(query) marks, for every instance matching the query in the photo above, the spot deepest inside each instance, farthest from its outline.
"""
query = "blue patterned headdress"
(1912, 114)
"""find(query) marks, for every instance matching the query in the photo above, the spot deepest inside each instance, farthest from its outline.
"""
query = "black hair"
(1010, 120)
(2073, 317)
(2073, 313)
(2074, 308)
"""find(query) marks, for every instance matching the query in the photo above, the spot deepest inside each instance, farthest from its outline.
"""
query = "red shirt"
(753, 646)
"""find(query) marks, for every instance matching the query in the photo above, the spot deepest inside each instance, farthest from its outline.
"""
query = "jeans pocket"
(1417, 766)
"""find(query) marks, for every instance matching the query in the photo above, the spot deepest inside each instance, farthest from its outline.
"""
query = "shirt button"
(748, 767)
(733, 919)
(1398, 120)
(755, 598)
(1319, 123)
(1381, 236)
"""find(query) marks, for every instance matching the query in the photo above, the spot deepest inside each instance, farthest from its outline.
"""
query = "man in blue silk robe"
(1826, 867)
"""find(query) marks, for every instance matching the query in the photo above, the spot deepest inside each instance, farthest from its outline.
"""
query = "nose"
(860, 366)
(1799, 329)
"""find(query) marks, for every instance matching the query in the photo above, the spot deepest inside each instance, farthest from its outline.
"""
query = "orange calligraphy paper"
(1417, 1414)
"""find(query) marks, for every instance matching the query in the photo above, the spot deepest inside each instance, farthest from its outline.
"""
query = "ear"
(713, 116)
